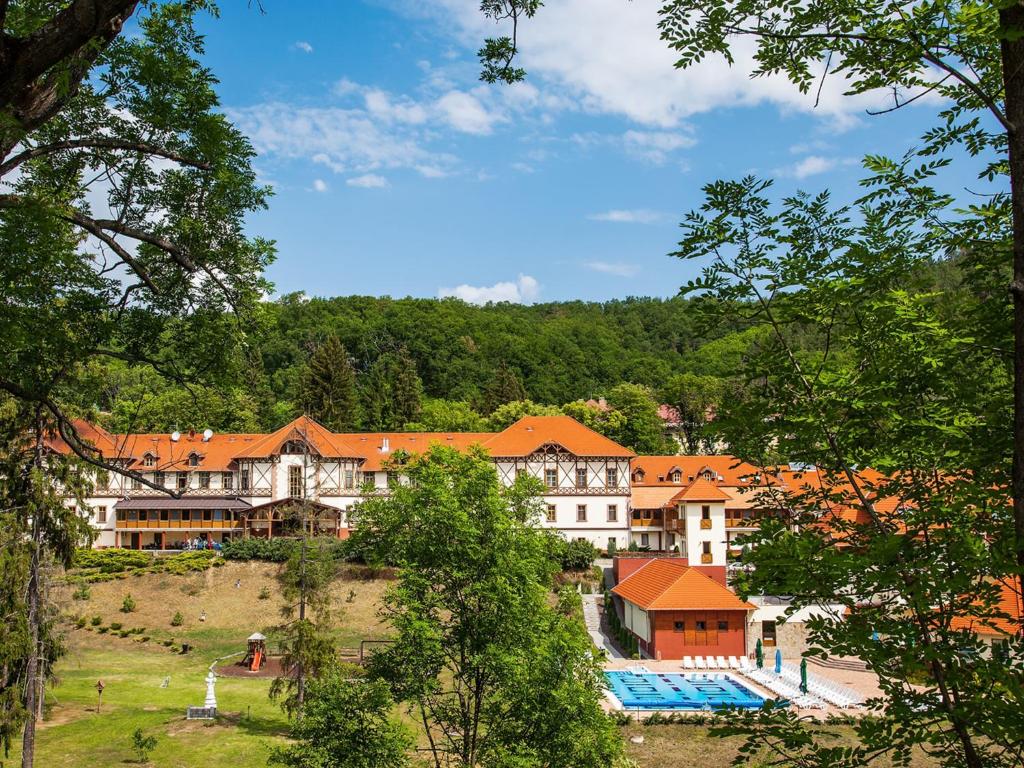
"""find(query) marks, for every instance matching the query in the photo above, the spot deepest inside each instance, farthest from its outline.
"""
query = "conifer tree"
(504, 388)
(329, 392)
(392, 392)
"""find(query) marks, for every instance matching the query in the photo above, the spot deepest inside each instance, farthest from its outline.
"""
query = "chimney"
(385, 445)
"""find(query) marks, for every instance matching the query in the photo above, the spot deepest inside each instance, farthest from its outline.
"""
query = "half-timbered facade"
(229, 485)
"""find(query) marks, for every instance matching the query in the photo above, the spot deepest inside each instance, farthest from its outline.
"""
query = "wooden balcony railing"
(705, 523)
(706, 558)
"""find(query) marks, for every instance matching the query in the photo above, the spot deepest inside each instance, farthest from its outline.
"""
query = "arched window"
(677, 476)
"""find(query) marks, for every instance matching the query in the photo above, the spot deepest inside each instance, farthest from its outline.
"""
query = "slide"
(256, 659)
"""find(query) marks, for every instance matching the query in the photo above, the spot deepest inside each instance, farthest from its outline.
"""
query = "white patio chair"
(722, 663)
(688, 663)
(734, 663)
(699, 662)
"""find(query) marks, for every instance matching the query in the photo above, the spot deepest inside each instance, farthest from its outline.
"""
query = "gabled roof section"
(702, 489)
(667, 585)
(91, 434)
(303, 428)
(378, 447)
(651, 498)
(531, 433)
(732, 470)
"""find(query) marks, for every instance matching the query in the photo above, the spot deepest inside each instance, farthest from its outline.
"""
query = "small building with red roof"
(675, 610)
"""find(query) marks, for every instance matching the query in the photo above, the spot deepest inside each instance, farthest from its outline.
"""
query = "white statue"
(211, 696)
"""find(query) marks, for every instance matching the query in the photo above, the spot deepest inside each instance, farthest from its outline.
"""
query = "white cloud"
(618, 268)
(465, 113)
(382, 105)
(303, 46)
(606, 56)
(808, 166)
(622, 216)
(368, 181)
(524, 290)
(319, 185)
(655, 146)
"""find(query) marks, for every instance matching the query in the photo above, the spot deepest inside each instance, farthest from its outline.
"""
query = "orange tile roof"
(323, 442)
(668, 585)
(652, 498)
(1011, 602)
(369, 445)
(530, 433)
(702, 489)
(733, 471)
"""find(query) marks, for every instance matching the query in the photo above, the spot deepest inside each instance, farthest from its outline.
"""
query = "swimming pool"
(651, 690)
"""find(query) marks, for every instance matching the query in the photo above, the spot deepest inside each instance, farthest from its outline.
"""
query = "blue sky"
(396, 172)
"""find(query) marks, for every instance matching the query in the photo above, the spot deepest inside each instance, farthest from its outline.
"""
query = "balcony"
(705, 523)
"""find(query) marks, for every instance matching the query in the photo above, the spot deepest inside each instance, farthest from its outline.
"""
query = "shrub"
(102, 630)
(144, 639)
(80, 622)
(269, 550)
(612, 548)
(96, 620)
(83, 592)
(578, 555)
(116, 625)
(264, 593)
(124, 633)
(143, 745)
(177, 619)
(128, 604)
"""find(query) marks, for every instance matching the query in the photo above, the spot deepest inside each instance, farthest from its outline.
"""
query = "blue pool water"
(651, 690)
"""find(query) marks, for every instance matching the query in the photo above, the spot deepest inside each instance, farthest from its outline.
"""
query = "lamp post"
(99, 694)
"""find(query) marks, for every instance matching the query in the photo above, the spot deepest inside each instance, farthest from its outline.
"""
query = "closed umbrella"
(803, 675)
(778, 661)
(759, 654)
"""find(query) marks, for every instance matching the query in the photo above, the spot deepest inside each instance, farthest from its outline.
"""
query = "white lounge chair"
(699, 661)
(688, 663)
(734, 663)
(722, 663)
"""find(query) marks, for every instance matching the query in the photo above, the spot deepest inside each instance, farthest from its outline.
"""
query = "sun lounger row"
(784, 688)
(833, 693)
(711, 662)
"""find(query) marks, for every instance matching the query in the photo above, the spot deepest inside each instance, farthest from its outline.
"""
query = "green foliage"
(82, 592)
(346, 723)
(493, 671)
(328, 390)
(115, 626)
(696, 398)
(509, 413)
(439, 415)
(642, 429)
(177, 619)
(269, 550)
(504, 388)
(143, 745)
(98, 565)
(264, 593)
(577, 555)
(391, 392)
(127, 605)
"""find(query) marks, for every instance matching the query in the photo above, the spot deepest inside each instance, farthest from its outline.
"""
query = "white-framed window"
(581, 513)
(551, 513)
(182, 481)
(645, 540)
(227, 480)
(350, 478)
(204, 479)
(677, 476)
(611, 477)
(613, 513)
(245, 480)
(193, 459)
(581, 477)
(551, 477)
(149, 460)
(101, 515)
(296, 487)
(158, 479)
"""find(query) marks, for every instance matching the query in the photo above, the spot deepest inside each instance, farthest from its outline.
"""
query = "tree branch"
(98, 143)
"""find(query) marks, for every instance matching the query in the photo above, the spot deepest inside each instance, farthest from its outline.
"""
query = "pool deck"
(863, 682)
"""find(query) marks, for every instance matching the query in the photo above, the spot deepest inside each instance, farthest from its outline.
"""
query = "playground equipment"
(256, 654)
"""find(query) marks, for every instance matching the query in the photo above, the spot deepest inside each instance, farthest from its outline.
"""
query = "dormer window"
(638, 476)
(149, 460)
(193, 459)
(677, 476)
(294, 446)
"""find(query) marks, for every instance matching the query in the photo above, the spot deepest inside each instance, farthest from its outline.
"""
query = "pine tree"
(329, 387)
(392, 392)
(505, 387)
(406, 389)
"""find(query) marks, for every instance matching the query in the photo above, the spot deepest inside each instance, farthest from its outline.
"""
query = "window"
(638, 476)
(245, 480)
(193, 459)
(392, 478)
(158, 478)
(186, 516)
(551, 513)
(705, 512)
(551, 478)
(204, 479)
(645, 540)
(677, 476)
(218, 514)
(670, 540)
(581, 513)
(182, 481)
(136, 484)
(768, 632)
(613, 513)
(101, 515)
(701, 626)
(581, 477)
(294, 447)
(723, 625)
(678, 626)
(350, 478)
(612, 544)
(175, 515)
(149, 460)
(295, 484)
(706, 547)
(164, 515)
(227, 480)
(611, 477)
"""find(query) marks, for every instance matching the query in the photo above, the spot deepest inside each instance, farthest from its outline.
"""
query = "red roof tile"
(667, 585)
(531, 433)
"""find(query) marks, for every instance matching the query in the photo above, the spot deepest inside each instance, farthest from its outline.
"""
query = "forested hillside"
(379, 363)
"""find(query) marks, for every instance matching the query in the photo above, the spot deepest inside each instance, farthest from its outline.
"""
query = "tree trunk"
(1012, 18)
(34, 601)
